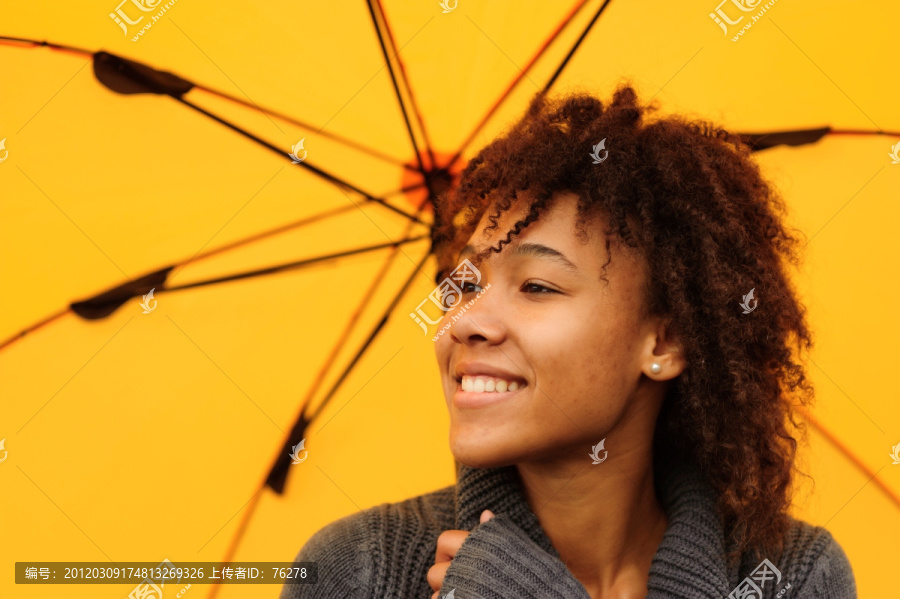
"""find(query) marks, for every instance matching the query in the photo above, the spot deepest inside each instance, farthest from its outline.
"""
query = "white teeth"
(487, 384)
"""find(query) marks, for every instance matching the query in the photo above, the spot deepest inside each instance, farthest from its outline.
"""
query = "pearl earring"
(655, 368)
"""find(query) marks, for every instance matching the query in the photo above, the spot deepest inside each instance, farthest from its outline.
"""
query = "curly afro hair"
(690, 199)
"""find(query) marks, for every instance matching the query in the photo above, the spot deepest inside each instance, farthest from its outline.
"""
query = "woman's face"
(575, 345)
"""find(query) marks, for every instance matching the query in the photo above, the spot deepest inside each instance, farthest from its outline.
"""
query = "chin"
(479, 453)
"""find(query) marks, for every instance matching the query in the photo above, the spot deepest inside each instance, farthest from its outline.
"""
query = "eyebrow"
(531, 249)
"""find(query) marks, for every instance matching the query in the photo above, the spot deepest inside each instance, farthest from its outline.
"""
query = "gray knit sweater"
(386, 551)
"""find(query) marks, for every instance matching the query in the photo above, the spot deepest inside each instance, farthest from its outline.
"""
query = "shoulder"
(814, 565)
(361, 555)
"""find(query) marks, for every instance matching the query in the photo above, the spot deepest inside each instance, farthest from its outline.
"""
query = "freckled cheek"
(561, 354)
(580, 355)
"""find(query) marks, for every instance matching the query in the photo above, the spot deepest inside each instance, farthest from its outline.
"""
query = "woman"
(621, 392)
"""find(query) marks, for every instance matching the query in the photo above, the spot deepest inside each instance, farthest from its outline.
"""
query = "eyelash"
(547, 289)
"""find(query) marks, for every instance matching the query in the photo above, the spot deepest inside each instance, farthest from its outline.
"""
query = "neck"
(604, 520)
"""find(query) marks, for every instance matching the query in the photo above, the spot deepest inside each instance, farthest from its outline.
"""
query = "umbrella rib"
(34, 327)
(197, 257)
(863, 132)
(324, 174)
(334, 136)
(4, 39)
(277, 475)
(294, 265)
(406, 82)
(403, 109)
(226, 96)
(374, 333)
(575, 47)
(800, 137)
(522, 74)
(854, 459)
(263, 235)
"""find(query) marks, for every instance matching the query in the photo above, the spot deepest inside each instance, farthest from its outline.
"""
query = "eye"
(542, 290)
(465, 288)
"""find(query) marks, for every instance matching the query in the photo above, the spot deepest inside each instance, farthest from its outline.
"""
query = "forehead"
(556, 238)
(555, 229)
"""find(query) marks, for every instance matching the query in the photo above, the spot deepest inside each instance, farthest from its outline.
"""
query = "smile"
(478, 391)
(487, 384)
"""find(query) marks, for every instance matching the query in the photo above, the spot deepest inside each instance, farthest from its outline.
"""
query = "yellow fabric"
(137, 438)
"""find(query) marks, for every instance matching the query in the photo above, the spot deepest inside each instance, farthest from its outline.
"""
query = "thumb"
(486, 515)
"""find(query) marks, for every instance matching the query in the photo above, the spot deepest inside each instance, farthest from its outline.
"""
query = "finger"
(436, 574)
(486, 515)
(448, 543)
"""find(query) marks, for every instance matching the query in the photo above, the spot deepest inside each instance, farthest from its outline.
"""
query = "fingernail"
(486, 515)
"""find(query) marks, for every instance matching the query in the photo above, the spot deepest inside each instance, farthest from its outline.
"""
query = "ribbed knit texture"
(386, 551)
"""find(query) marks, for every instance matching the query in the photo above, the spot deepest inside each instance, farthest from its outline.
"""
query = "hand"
(448, 543)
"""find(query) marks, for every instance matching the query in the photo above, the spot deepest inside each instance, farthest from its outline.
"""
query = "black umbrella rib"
(799, 137)
(403, 108)
(279, 471)
(350, 143)
(19, 41)
(324, 174)
(575, 47)
(515, 81)
(409, 89)
(107, 302)
(46, 44)
(297, 264)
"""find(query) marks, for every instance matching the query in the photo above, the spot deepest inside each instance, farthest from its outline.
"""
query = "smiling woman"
(613, 321)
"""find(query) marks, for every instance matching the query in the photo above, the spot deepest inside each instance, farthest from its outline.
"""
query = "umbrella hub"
(436, 179)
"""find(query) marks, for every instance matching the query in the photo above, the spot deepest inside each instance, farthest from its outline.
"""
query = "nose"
(480, 317)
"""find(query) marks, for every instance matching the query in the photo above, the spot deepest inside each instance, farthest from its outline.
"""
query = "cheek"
(583, 354)
(441, 351)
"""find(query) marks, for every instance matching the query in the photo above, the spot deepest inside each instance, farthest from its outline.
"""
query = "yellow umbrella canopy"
(141, 428)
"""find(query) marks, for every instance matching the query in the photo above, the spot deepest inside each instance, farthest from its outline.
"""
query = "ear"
(663, 349)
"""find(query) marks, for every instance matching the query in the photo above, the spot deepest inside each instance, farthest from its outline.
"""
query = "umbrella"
(282, 284)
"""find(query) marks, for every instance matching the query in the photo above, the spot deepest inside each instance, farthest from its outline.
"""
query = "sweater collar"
(693, 547)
